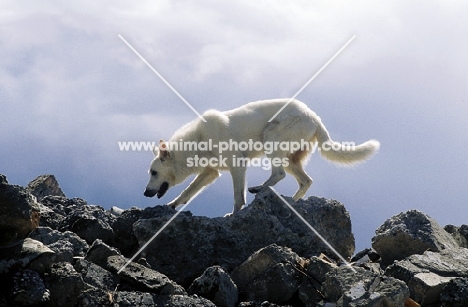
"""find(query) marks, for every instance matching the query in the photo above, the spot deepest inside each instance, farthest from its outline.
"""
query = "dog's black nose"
(149, 193)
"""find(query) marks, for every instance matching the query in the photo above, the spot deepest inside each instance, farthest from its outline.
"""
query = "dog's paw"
(173, 205)
(228, 214)
(255, 189)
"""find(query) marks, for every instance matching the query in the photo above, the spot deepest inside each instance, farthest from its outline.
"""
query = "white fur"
(249, 122)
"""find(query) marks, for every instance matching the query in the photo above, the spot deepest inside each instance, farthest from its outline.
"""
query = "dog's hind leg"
(277, 173)
(301, 177)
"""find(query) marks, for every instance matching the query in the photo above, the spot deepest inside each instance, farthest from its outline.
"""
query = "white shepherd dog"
(247, 124)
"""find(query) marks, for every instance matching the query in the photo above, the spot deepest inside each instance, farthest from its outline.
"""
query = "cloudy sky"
(70, 90)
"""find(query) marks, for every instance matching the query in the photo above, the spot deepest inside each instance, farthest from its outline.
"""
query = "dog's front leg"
(201, 180)
(238, 181)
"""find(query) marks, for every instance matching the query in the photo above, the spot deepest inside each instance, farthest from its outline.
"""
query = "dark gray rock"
(124, 238)
(65, 285)
(344, 287)
(27, 253)
(142, 278)
(45, 185)
(29, 289)
(65, 244)
(455, 293)
(408, 233)
(260, 304)
(19, 213)
(192, 243)
(99, 252)
(142, 299)
(427, 274)
(460, 234)
(96, 276)
(54, 209)
(217, 286)
(90, 223)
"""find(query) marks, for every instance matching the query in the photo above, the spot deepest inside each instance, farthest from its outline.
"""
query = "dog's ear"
(155, 150)
(164, 152)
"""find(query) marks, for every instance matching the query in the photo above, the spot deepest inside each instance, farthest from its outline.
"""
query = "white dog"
(230, 139)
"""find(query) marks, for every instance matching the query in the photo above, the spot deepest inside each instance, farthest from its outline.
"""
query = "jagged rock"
(65, 285)
(408, 233)
(45, 185)
(143, 278)
(96, 276)
(19, 213)
(193, 243)
(124, 238)
(65, 244)
(268, 275)
(455, 293)
(29, 289)
(260, 304)
(427, 274)
(27, 253)
(141, 299)
(54, 209)
(344, 287)
(90, 223)
(99, 252)
(460, 234)
(217, 286)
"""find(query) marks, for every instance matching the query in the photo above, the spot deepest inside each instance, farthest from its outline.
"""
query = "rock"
(408, 233)
(90, 223)
(124, 238)
(29, 289)
(55, 208)
(141, 299)
(460, 234)
(96, 276)
(99, 252)
(45, 185)
(65, 244)
(260, 304)
(427, 274)
(19, 213)
(143, 278)
(268, 275)
(455, 293)
(65, 285)
(193, 243)
(217, 286)
(343, 287)
(27, 253)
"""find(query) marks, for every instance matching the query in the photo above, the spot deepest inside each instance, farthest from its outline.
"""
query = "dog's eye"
(154, 173)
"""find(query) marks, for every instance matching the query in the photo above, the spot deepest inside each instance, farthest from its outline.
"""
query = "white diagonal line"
(313, 229)
(313, 77)
(162, 78)
(153, 237)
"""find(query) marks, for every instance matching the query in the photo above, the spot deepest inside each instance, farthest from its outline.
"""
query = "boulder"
(54, 209)
(19, 213)
(193, 243)
(408, 233)
(27, 253)
(65, 285)
(95, 276)
(460, 234)
(45, 185)
(217, 286)
(65, 244)
(426, 275)
(345, 287)
(90, 223)
(29, 289)
(99, 252)
(455, 293)
(142, 278)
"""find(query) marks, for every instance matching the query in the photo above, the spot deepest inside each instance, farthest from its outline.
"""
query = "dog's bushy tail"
(345, 153)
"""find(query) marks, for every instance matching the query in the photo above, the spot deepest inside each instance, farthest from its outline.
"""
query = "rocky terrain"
(57, 251)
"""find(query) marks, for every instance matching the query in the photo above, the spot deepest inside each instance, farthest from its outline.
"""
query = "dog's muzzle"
(160, 193)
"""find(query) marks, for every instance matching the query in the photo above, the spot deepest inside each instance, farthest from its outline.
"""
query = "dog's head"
(161, 172)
